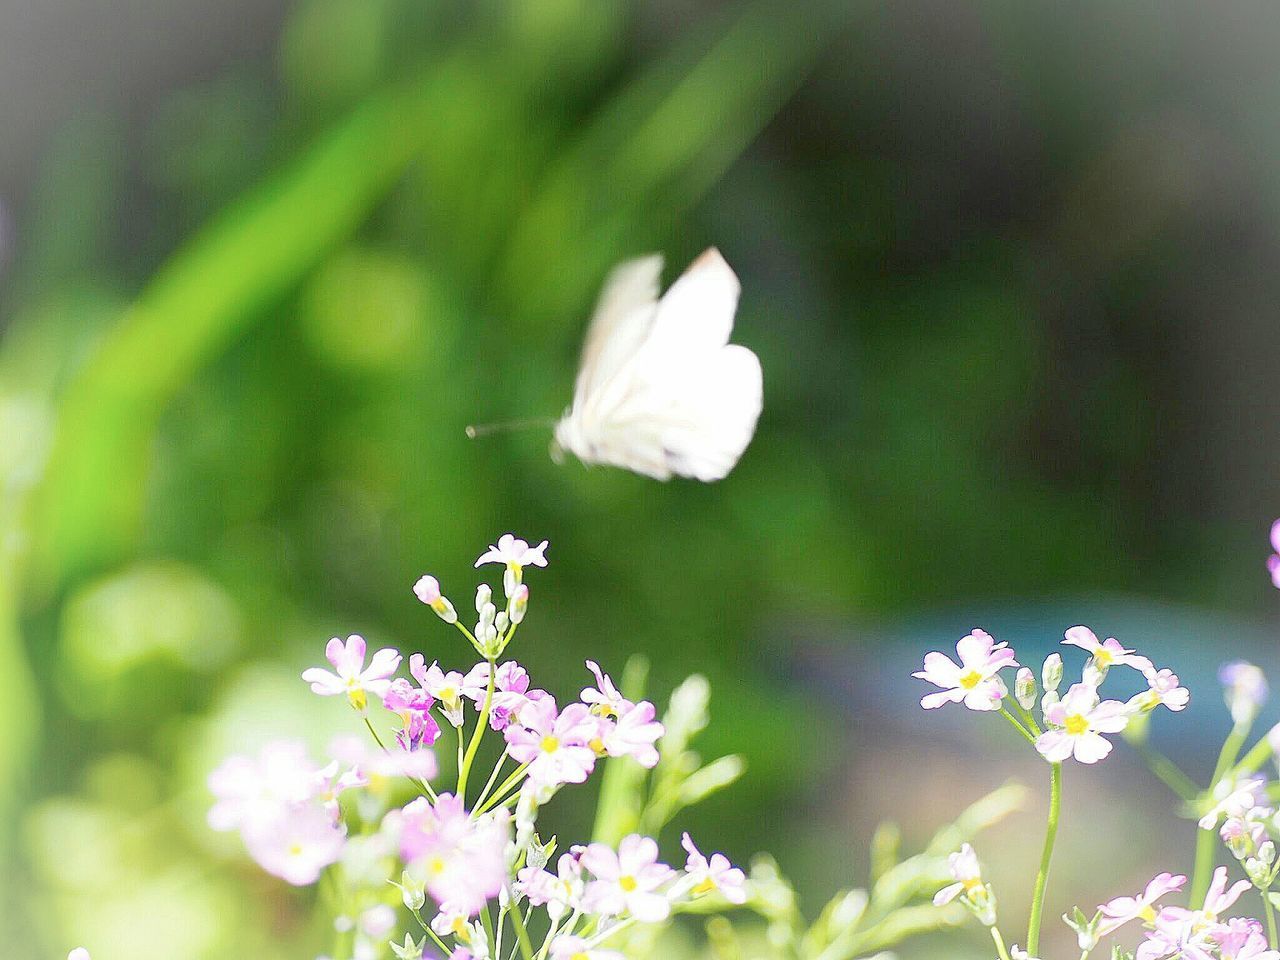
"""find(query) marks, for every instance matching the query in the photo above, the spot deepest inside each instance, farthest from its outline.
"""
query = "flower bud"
(1051, 673)
(411, 891)
(411, 949)
(510, 580)
(1244, 689)
(483, 595)
(1024, 688)
(427, 589)
(502, 622)
(519, 603)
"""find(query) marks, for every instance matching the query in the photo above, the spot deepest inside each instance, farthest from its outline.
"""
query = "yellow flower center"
(706, 886)
(549, 744)
(358, 699)
(970, 680)
(435, 866)
(972, 885)
(578, 956)
(295, 850)
(459, 927)
(1102, 657)
(1076, 724)
(628, 884)
(596, 744)
(448, 694)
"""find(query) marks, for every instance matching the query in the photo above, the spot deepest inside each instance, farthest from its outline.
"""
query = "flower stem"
(1168, 772)
(1271, 918)
(1042, 878)
(482, 721)
(522, 935)
(1018, 726)
(1000, 947)
(1205, 839)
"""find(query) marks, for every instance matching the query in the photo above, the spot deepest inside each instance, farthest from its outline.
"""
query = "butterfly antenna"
(488, 429)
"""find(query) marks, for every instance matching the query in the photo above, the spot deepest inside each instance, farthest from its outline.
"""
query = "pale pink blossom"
(1162, 688)
(1234, 798)
(413, 706)
(1116, 913)
(1244, 688)
(461, 861)
(252, 789)
(297, 845)
(560, 892)
(1077, 723)
(967, 873)
(79, 953)
(627, 881)
(975, 680)
(633, 734)
(1220, 897)
(351, 676)
(714, 874)
(604, 698)
(1273, 561)
(514, 553)
(556, 746)
(1105, 653)
(445, 687)
(1242, 939)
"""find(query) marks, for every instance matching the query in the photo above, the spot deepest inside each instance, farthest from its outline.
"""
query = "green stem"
(1042, 877)
(497, 796)
(464, 771)
(1018, 726)
(1000, 947)
(522, 935)
(1270, 911)
(1205, 840)
(493, 777)
(426, 927)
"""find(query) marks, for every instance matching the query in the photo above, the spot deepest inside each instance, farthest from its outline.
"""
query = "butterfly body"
(660, 390)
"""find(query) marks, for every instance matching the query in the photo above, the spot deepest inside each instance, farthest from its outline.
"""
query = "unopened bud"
(1024, 688)
(1051, 673)
(1244, 689)
(502, 622)
(427, 589)
(483, 595)
(519, 603)
(510, 580)
(411, 891)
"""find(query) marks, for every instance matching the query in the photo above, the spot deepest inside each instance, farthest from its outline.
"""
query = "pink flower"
(1241, 939)
(1107, 653)
(445, 687)
(1220, 897)
(253, 789)
(975, 681)
(297, 845)
(1116, 913)
(413, 704)
(515, 553)
(556, 747)
(967, 873)
(1234, 798)
(427, 589)
(714, 874)
(461, 861)
(352, 678)
(1273, 561)
(559, 892)
(627, 881)
(576, 948)
(604, 698)
(1178, 933)
(632, 735)
(1077, 721)
(1162, 688)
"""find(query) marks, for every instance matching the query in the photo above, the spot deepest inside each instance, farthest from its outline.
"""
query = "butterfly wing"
(621, 321)
(683, 401)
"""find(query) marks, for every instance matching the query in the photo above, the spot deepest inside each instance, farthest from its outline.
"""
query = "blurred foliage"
(243, 334)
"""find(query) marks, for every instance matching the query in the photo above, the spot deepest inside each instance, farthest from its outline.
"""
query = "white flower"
(967, 873)
(717, 873)
(515, 553)
(79, 953)
(296, 847)
(1077, 722)
(576, 948)
(1106, 653)
(1162, 688)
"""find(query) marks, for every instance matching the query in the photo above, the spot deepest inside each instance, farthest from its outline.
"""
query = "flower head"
(627, 881)
(1162, 688)
(716, 874)
(555, 745)
(460, 860)
(1076, 724)
(604, 698)
(1116, 913)
(297, 846)
(559, 892)
(79, 953)
(1273, 561)
(1105, 653)
(968, 887)
(445, 687)
(515, 553)
(427, 589)
(1244, 688)
(975, 681)
(352, 677)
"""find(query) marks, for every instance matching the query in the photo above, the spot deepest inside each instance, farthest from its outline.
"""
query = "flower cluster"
(1072, 724)
(465, 851)
(1237, 806)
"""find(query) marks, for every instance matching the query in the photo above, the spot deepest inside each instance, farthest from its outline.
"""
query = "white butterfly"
(661, 390)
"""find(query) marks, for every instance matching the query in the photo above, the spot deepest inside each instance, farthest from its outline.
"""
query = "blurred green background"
(1011, 270)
